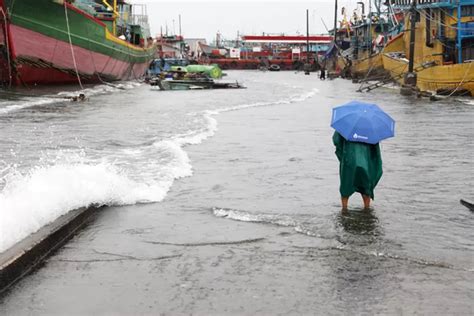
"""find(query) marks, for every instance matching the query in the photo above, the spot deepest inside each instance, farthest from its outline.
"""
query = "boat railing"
(467, 29)
(405, 4)
(138, 19)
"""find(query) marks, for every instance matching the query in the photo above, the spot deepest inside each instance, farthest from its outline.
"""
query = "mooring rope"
(96, 72)
(463, 79)
(72, 48)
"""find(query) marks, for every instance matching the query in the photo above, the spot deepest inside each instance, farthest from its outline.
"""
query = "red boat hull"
(41, 59)
(5, 71)
(34, 50)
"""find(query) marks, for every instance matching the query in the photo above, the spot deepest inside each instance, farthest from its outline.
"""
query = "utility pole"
(410, 77)
(307, 65)
(307, 36)
(335, 35)
(412, 36)
(181, 43)
(335, 20)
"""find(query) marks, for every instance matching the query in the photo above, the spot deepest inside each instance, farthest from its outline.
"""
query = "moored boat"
(370, 67)
(192, 84)
(85, 41)
(183, 80)
(443, 56)
(362, 39)
(215, 51)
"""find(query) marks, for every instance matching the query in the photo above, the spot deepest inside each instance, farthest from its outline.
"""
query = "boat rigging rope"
(372, 66)
(7, 42)
(463, 79)
(72, 48)
(426, 16)
(96, 72)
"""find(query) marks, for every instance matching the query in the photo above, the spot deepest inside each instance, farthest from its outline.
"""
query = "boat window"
(428, 29)
(468, 50)
(467, 10)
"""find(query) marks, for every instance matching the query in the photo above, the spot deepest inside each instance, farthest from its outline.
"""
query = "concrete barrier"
(26, 255)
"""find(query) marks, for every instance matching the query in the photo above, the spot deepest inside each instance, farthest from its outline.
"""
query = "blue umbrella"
(362, 122)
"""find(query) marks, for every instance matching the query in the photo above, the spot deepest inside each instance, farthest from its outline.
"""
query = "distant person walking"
(322, 75)
(359, 129)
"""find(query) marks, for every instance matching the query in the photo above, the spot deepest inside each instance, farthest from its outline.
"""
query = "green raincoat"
(360, 166)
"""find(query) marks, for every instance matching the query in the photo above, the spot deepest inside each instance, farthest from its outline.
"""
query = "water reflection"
(359, 222)
(359, 277)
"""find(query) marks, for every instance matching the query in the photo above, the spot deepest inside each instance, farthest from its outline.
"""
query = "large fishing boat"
(362, 38)
(67, 41)
(443, 57)
(369, 40)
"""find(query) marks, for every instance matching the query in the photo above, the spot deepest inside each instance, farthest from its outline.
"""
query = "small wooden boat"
(193, 84)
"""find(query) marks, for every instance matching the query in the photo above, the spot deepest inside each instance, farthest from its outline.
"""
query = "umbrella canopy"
(362, 122)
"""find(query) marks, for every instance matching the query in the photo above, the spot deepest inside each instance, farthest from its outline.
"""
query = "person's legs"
(344, 201)
(366, 199)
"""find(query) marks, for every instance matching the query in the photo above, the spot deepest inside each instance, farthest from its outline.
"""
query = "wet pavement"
(257, 228)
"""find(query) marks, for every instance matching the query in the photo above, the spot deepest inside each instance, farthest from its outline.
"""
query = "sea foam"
(27, 101)
(29, 200)
(33, 199)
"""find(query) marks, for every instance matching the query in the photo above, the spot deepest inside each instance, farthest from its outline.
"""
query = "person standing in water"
(360, 169)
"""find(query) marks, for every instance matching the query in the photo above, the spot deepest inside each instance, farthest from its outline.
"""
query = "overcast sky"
(204, 18)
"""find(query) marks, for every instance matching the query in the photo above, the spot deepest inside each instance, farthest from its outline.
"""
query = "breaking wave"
(33, 198)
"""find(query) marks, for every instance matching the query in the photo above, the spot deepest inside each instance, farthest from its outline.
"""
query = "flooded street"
(227, 202)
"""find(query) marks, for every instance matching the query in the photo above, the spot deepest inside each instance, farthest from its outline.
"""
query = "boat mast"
(307, 36)
(410, 77)
(335, 20)
(181, 44)
(380, 21)
(412, 36)
(335, 34)
(459, 34)
(370, 28)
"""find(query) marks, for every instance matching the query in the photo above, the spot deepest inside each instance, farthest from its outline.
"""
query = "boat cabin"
(124, 20)
(444, 29)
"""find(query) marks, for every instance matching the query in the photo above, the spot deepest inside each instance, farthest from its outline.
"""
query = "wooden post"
(412, 36)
